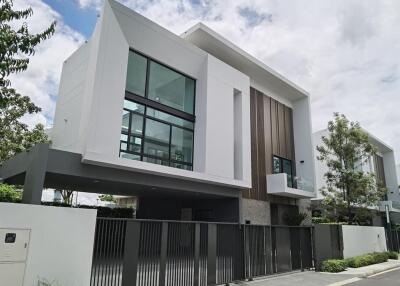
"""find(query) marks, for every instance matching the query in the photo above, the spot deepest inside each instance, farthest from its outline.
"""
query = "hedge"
(339, 265)
(333, 265)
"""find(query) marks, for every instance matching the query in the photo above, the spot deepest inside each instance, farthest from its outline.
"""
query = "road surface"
(388, 278)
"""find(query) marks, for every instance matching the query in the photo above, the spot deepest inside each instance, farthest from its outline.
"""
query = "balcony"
(277, 184)
(394, 206)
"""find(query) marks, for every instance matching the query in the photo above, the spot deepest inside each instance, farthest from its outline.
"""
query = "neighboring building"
(193, 126)
(382, 165)
(126, 202)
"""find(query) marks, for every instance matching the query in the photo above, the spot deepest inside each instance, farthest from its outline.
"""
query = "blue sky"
(80, 19)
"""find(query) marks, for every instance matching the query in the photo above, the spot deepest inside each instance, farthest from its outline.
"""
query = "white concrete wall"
(320, 167)
(70, 115)
(100, 105)
(359, 240)
(392, 184)
(61, 242)
(303, 141)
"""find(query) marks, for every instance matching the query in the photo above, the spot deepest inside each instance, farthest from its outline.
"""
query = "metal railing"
(150, 252)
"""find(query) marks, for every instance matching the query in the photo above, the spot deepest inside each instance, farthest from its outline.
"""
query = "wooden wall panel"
(271, 134)
(267, 134)
(281, 131)
(262, 186)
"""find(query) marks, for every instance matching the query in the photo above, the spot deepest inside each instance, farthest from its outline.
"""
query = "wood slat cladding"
(271, 134)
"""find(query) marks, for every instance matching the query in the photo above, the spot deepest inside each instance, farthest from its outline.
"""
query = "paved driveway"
(307, 278)
(390, 278)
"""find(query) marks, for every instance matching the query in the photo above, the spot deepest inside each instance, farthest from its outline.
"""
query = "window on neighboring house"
(157, 118)
(282, 165)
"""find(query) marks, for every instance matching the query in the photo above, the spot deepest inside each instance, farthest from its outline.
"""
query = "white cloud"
(344, 52)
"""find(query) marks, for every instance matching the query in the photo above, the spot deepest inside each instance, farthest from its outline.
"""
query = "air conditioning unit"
(13, 253)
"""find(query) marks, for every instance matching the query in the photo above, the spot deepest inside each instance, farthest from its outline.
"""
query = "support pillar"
(35, 175)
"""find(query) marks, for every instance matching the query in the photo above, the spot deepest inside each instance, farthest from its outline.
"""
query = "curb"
(365, 275)
(373, 272)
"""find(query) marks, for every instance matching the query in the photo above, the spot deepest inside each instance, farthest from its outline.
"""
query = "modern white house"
(382, 165)
(191, 125)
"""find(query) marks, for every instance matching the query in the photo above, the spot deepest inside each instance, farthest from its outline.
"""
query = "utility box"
(13, 253)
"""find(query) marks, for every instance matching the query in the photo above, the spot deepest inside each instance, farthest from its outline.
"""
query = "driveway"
(307, 278)
(388, 278)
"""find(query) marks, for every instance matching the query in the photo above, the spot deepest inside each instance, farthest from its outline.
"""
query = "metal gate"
(149, 252)
(393, 240)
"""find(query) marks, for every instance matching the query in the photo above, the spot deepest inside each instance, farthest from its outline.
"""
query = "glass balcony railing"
(300, 183)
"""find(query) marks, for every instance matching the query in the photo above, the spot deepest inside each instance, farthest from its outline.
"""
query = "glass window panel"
(169, 118)
(123, 146)
(136, 74)
(135, 145)
(125, 121)
(155, 161)
(136, 124)
(171, 88)
(129, 156)
(156, 140)
(124, 137)
(133, 106)
(276, 165)
(181, 145)
(287, 168)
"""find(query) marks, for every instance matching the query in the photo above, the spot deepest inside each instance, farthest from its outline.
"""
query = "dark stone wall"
(216, 210)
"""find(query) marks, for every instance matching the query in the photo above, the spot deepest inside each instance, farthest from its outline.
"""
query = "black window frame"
(281, 159)
(157, 105)
(146, 102)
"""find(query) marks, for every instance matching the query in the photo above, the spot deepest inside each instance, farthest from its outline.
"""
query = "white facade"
(92, 90)
(60, 245)
(385, 151)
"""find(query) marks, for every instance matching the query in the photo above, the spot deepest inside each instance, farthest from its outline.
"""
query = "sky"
(345, 53)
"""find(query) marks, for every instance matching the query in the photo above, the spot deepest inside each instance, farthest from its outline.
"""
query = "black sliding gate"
(393, 240)
(147, 252)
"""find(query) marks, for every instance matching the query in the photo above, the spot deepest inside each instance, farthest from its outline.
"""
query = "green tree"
(107, 198)
(10, 194)
(349, 191)
(17, 44)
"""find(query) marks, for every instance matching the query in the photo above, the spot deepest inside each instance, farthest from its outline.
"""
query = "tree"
(349, 191)
(16, 46)
(10, 194)
(107, 198)
(67, 196)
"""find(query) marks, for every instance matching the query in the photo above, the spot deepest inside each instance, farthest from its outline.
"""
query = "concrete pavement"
(352, 276)
(387, 278)
(306, 278)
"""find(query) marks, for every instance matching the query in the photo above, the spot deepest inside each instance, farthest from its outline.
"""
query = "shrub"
(393, 255)
(333, 265)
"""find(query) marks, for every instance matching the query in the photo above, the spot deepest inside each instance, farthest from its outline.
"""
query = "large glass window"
(171, 88)
(282, 165)
(136, 74)
(160, 83)
(158, 115)
(156, 137)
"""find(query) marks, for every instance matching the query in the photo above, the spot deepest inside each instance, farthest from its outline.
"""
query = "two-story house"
(191, 125)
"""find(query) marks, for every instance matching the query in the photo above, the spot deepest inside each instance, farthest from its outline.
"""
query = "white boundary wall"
(61, 242)
(359, 240)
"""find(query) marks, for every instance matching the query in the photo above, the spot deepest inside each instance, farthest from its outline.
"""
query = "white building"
(191, 125)
(382, 165)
